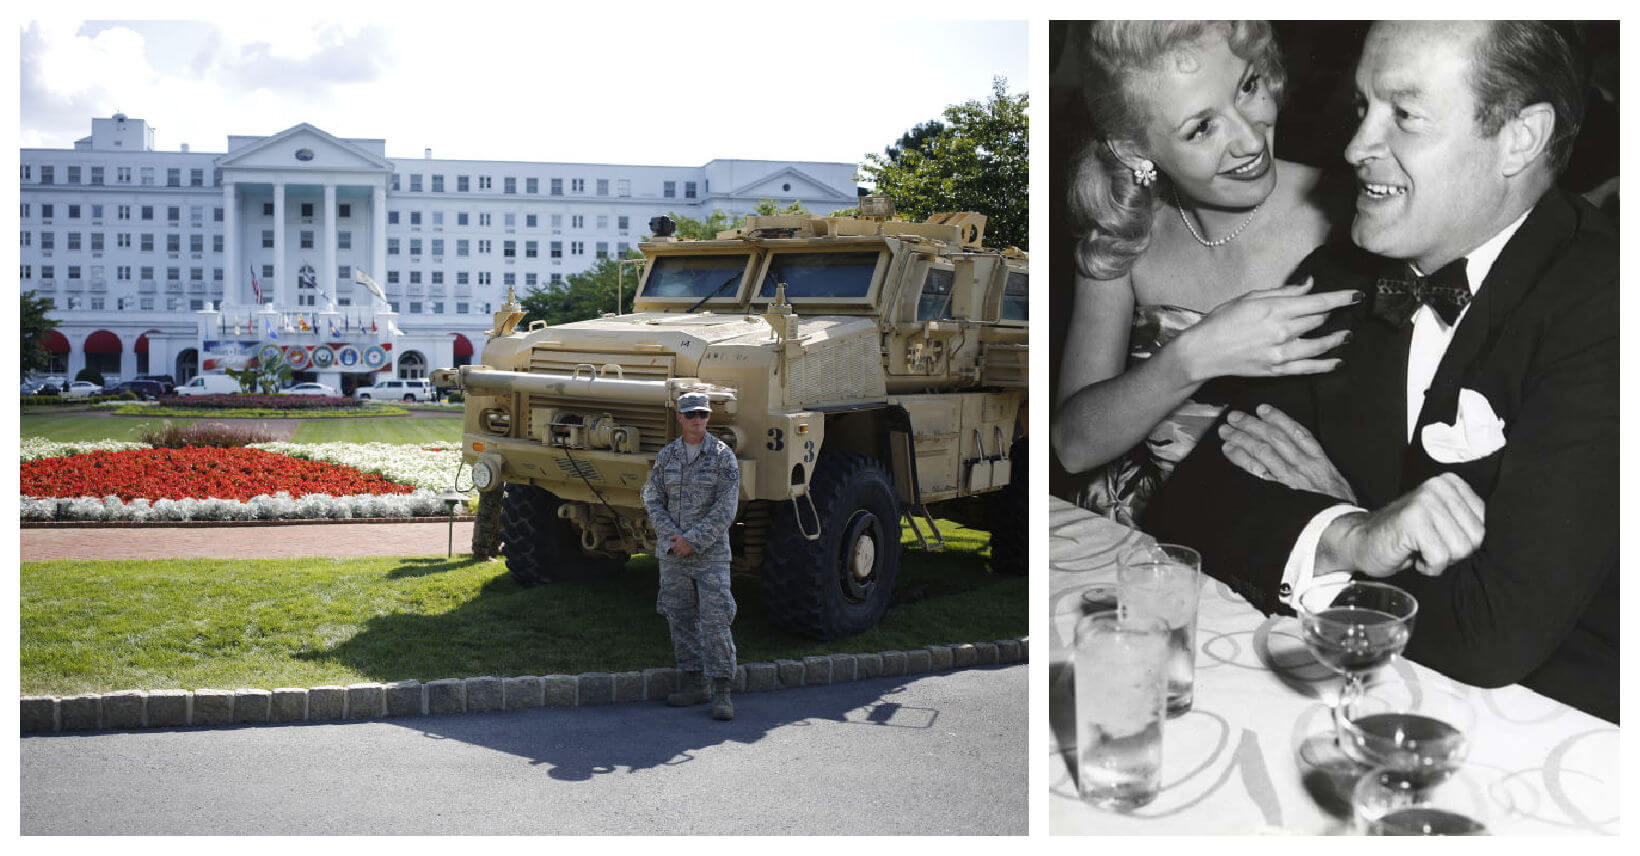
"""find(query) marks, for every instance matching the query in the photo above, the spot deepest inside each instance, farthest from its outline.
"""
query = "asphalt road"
(933, 754)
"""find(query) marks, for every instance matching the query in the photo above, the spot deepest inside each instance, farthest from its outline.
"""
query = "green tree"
(36, 325)
(708, 229)
(978, 159)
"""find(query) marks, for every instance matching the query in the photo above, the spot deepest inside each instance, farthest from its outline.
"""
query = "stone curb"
(133, 709)
(212, 524)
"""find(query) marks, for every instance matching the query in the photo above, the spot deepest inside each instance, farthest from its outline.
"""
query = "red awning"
(102, 342)
(141, 347)
(55, 342)
(464, 347)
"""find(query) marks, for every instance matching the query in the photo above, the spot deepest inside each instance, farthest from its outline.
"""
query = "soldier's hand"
(1439, 522)
(680, 547)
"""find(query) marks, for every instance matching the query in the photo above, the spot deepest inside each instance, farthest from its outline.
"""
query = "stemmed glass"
(1355, 628)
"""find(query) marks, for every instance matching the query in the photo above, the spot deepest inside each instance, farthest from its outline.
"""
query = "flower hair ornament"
(1144, 171)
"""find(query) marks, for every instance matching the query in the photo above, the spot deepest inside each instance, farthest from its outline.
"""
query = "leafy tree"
(264, 375)
(35, 326)
(90, 376)
(978, 159)
(708, 229)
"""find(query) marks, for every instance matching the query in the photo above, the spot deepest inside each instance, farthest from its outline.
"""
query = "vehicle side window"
(935, 303)
(1014, 297)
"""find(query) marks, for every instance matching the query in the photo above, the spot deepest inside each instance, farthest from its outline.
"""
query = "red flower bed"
(240, 401)
(194, 473)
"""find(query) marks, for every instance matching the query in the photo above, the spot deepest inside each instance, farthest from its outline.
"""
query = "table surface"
(1254, 756)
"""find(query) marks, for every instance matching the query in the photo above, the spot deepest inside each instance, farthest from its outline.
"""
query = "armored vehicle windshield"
(820, 274)
(696, 275)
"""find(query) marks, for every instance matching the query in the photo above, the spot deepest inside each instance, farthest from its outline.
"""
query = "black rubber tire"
(540, 546)
(808, 587)
(1008, 516)
(364, 398)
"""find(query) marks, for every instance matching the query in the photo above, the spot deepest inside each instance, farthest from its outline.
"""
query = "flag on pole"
(272, 333)
(256, 287)
(362, 278)
(303, 324)
(334, 333)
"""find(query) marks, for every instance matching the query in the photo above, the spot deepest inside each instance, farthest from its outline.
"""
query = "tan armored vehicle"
(864, 370)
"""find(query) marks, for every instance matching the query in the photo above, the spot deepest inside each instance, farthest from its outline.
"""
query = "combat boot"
(693, 691)
(722, 707)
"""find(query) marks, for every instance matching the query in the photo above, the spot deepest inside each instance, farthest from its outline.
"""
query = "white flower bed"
(429, 467)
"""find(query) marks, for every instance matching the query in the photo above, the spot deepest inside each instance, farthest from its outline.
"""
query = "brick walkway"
(245, 542)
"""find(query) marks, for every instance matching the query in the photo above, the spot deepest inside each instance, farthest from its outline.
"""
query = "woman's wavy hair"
(1109, 210)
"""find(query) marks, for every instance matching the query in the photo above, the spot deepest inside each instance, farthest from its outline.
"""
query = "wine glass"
(1355, 628)
(1405, 726)
(1459, 801)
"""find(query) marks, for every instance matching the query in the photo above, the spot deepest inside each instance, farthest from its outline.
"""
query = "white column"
(378, 235)
(128, 358)
(276, 286)
(327, 276)
(230, 249)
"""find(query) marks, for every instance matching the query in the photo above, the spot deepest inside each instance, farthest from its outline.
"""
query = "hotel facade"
(178, 262)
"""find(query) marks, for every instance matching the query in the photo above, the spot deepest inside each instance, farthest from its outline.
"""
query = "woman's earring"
(1144, 174)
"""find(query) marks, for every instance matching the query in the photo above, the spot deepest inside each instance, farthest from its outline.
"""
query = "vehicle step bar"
(911, 514)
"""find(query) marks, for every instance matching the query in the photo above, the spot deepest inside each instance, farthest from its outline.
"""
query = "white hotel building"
(148, 256)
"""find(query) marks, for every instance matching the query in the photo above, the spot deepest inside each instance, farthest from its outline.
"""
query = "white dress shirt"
(1430, 338)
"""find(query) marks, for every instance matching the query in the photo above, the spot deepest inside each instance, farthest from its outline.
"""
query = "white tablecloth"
(1253, 756)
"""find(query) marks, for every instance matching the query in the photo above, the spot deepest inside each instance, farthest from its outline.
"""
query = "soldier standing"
(691, 496)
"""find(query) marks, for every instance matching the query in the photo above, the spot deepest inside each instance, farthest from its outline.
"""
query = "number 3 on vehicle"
(778, 442)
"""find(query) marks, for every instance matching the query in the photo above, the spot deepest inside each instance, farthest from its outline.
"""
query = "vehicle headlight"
(483, 475)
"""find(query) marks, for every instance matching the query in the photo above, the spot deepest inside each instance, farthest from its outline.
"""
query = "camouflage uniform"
(696, 499)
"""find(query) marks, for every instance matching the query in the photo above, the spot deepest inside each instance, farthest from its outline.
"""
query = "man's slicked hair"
(1520, 63)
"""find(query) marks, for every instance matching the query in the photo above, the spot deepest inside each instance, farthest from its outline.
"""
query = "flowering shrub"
(279, 506)
(431, 465)
(241, 401)
(212, 434)
(35, 448)
(193, 472)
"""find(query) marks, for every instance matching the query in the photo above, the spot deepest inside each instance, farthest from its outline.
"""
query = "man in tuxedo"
(1467, 448)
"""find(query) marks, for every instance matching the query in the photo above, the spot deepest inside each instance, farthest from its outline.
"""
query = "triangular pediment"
(803, 185)
(303, 147)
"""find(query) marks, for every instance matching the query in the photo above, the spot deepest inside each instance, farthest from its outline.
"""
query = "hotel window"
(28, 172)
(509, 185)
(27, 239)
(461, 308)
(461, 184)
(267, 239)
(73, 212)
(483, 218)
(622, 249)
(146, 212)
(415, 246)
(438, 184)
(483, 182)
(45, 210)
(344, 272)
(196, 214)
(415, 218)
(438, 218)
(196, 244)
(603, 249)
(531, 249)
(529, 221)
(196, 305)
(73, 175)
(216, 178)
(438, 246)
(532, 185)
(557, 221)
(344, 210)
(122, 272)
(196, 274)
(267, 272)
(173, 243)
(146, 243)
(577, 185)
(392, 246)
(392, 277)
(555, 278)
(344, 240)
(122, 212)
(307, 209)
(603, 187)
(531, 279)
(689, 190)
(461, 277)
(437, 277)
(603, 221)
(172, 303)
(415, 277)
(461, 247)
(48, 241)
(47, 271)
(577, 221)
(509, 249)
(216, 243)
(216, 275)
(557, 249)
(461, 218)
(557, 187)
(305, 237)
(577, 248)
(98, 304)
(620, 223)
(96, 175)
(146, 304)
(395, 183)
(96, 242)
(392, 218)
(483, 247)
(509, 279)
(669, 189)
(173, 177)
(623, 187)
(267, 209)
(73, 271)
(73, 241)
(173, 214)
(509, 220)
(122, 174)
(146, 174)
(415, 307)
(415, 182)
(196, 178)
(122, 240)
(483, 277)
(216, 215)
(47, 175)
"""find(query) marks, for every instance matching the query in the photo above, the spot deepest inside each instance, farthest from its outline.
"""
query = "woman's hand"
(1272, 446)
(1258, 334)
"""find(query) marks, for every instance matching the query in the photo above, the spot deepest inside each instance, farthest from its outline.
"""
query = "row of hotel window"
(464, 183)
(344, 275)
(305, 241)
(196, 215)
(510, 220)
(175, 304)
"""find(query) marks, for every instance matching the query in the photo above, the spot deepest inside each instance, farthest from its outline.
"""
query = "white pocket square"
(1474, 434)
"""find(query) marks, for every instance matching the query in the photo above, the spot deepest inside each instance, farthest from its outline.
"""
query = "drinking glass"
(1455, 801)
(1164, 580)
(1407, 727)
(1121, 694)
(1355, 628)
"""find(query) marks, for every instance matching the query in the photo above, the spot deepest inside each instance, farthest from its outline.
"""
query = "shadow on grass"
(425, 567)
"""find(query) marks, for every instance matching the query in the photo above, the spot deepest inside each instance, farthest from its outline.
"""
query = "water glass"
(1121, 694)
(1164, 580)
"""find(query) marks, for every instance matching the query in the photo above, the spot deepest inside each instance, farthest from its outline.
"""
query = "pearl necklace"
(1198, 236)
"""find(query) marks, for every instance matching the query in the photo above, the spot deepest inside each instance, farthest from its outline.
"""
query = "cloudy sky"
(675, 92)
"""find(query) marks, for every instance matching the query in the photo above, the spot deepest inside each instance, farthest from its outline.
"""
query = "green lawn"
(400, 429)
(101, 626)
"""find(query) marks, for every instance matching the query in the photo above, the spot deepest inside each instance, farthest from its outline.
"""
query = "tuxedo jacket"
(1537, 604)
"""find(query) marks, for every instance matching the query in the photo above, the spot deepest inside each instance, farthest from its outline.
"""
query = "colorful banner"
(347, 357)
(375, 359)
(217, 354)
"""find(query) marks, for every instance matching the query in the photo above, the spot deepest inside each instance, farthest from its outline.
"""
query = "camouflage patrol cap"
(690, 401)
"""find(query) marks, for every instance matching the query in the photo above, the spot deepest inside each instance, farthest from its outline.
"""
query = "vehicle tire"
(540, 546)
(365, 397)
(409, 398)
(841, 584)
(1008, 515)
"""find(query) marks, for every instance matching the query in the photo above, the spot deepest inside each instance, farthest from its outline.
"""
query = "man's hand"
(1440, 522)
(680, 547)
(1272, 446)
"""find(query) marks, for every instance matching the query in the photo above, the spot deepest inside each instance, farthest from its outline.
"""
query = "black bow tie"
(1446, 291)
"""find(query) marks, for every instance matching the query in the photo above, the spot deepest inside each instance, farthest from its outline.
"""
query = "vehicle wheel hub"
(859, 559)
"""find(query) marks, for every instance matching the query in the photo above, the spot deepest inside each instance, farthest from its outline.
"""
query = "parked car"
(33, 387)
(164, 380)
(418, 389)
(209, 384)
(310, 389)
(81, 388)
(148, 390)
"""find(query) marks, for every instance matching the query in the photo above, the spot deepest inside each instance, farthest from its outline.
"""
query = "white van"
(416, 389)
(209, 384)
